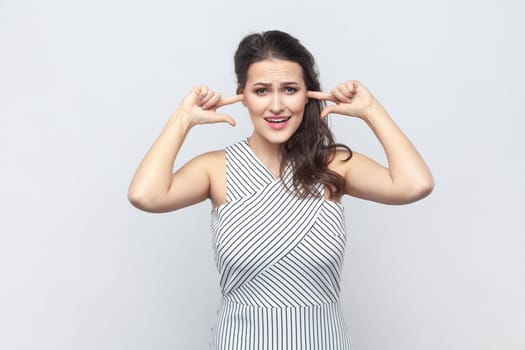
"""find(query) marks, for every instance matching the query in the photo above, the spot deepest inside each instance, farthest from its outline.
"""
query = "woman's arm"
(154, 187)
(406, 179)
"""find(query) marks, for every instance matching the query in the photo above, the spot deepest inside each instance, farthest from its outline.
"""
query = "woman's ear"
(240, 91)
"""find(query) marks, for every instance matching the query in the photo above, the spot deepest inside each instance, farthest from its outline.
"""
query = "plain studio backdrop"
(86, 87)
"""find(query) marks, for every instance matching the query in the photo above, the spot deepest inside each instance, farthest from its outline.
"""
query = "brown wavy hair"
(312, 147)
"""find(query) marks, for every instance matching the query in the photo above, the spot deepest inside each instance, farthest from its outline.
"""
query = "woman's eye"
(260, 91)
(291, 90)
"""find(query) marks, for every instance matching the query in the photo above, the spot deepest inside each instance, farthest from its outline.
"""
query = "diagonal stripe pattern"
(279, 259)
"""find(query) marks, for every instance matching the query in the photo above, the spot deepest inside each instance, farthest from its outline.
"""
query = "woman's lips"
(277, 122)
(277, 119)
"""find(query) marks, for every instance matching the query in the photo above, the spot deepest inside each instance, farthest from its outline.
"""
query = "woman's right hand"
(201, 104)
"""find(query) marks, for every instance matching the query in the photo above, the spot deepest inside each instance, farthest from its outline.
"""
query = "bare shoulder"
(212, 163)
(212, 158)
(341, 161)
(355, 165)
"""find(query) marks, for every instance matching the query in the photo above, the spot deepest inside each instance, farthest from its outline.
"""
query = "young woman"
(277, 221)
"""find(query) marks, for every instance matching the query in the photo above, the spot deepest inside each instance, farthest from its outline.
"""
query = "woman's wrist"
(373, 112)
(182, 119)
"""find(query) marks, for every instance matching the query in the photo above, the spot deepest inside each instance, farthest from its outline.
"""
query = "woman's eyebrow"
(281, 84)
(261, 84)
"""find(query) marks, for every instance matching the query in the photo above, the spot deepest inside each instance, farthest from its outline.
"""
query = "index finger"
(230, 100)
(319, 95)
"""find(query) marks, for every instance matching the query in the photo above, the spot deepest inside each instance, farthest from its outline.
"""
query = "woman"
(277, 221)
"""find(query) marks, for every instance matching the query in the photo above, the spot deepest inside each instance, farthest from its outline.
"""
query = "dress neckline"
(259, 161)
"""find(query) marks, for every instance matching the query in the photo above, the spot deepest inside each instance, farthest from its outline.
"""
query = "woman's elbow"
(143, 201)
(420, 189)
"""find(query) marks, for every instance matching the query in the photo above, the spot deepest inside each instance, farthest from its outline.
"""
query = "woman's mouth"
(277, 120)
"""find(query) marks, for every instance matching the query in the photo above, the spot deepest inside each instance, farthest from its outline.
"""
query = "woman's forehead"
(275, 70)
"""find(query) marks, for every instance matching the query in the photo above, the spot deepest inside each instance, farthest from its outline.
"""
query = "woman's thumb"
(225, 118)
(327, 110)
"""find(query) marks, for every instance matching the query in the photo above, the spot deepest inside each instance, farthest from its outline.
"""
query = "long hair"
(312, 147)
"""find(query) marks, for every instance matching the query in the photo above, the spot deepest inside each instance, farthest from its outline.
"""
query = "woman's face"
(275, 95)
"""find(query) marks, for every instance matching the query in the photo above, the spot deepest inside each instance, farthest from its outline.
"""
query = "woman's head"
(309, 146)
(275, 46)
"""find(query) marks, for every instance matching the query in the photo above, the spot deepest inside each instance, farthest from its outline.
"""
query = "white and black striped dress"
(279, 259)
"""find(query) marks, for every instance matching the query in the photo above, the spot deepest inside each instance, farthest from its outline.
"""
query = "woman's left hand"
(351, 98)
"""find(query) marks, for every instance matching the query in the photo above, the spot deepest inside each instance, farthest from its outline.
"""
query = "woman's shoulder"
(211, 158)
(340, 161)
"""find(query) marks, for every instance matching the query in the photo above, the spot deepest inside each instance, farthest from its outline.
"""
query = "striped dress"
(279, 260)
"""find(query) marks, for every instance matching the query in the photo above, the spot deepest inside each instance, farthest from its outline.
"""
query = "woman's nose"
(276, 105)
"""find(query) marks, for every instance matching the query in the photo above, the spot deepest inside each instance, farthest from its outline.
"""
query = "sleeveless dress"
(279, 258)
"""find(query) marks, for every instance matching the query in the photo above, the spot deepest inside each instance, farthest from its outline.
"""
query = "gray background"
(86, 87)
